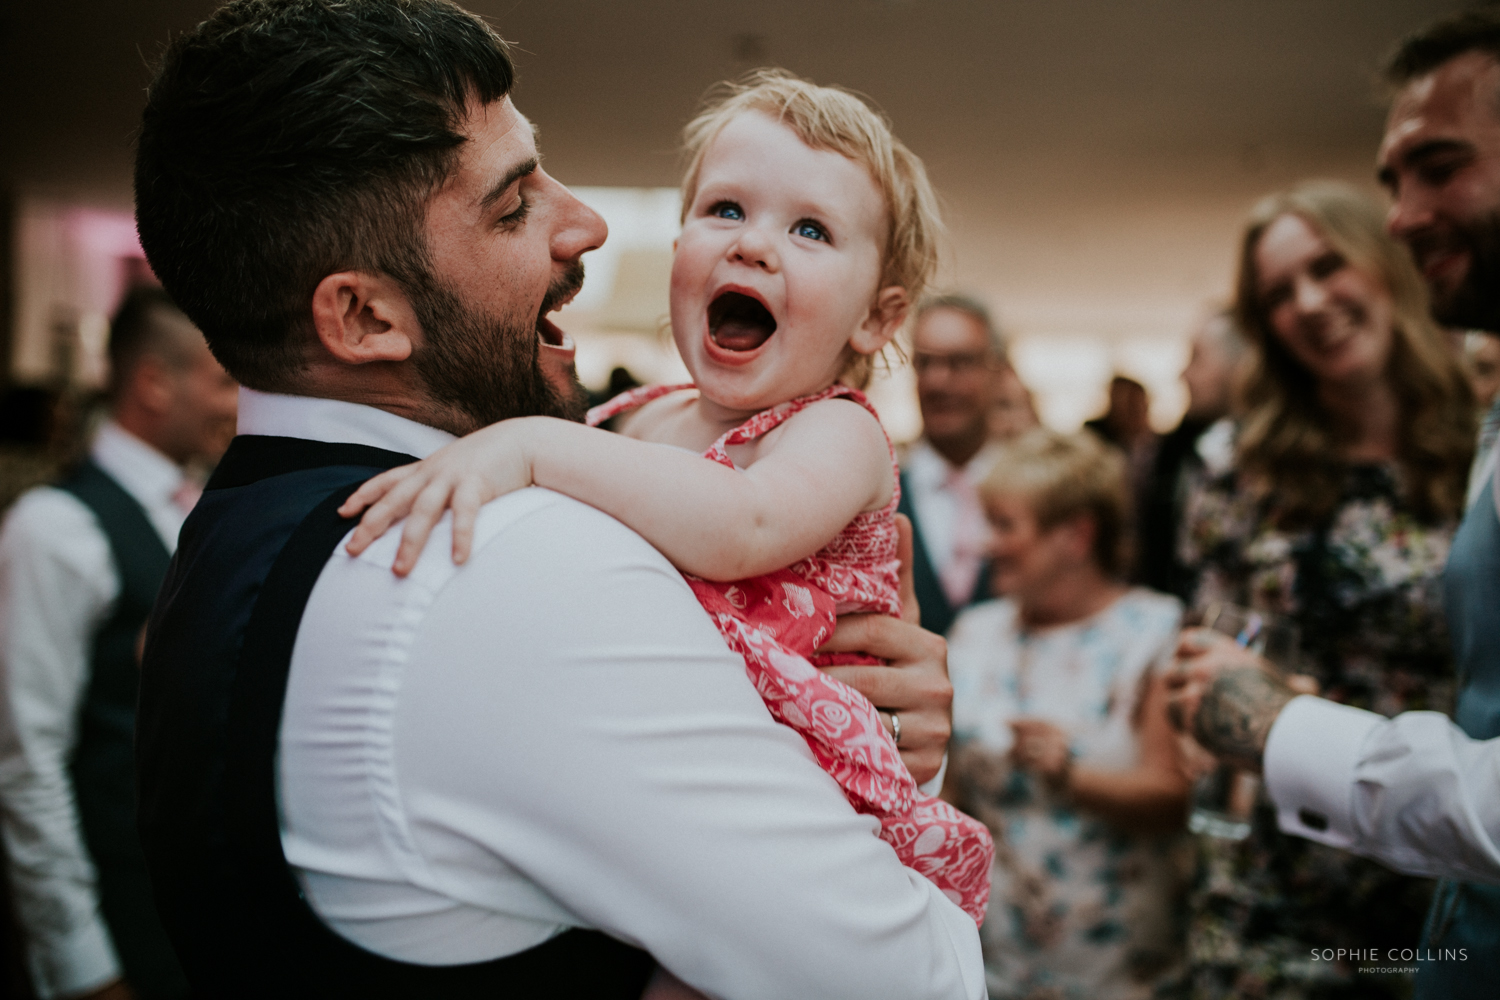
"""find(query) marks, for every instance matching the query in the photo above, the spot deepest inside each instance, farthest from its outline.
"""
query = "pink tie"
(186, 496)
(970, 539)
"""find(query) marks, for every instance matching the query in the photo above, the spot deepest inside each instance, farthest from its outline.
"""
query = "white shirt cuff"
(935, 786)
(1311, 753)
(81, 961)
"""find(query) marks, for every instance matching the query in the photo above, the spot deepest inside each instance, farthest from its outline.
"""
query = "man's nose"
(579, 228)
(1409, 213)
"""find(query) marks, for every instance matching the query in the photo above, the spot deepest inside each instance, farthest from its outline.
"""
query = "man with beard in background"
(538, 773)
(1415, 791)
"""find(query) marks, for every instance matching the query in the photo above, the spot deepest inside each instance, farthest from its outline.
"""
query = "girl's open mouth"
(738, 322)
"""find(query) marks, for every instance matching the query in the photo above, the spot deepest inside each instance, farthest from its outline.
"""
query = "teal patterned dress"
(1079, 910)
(1366, 589)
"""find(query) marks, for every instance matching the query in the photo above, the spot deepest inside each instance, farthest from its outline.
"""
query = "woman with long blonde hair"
(1307, 418)
(1351, 460)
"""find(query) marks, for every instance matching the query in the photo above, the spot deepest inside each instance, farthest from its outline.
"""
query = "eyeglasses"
(958, 364)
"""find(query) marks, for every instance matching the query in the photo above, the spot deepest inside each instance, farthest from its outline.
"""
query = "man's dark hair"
(1476, 30)
(136, 332)
(286, 140)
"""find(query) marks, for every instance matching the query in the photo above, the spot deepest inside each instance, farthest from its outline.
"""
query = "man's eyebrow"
(1414, 156)
(515, 173)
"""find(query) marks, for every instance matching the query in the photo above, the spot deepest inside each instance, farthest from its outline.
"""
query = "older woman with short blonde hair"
(1061, 743)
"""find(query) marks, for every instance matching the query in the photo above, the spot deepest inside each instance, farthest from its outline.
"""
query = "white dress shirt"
(937, 509)
(474, 759)
(1414, 792)
(58, 584)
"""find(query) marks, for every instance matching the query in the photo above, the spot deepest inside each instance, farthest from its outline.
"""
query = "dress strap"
(629, 400)
(767, 420)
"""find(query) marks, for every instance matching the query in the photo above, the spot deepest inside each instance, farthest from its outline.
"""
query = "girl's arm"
(829, 463)
(1150, 797)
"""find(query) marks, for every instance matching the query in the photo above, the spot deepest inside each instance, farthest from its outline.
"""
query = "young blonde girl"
(808, 229)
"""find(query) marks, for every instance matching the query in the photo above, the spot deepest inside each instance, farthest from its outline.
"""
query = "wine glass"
(1224, 798)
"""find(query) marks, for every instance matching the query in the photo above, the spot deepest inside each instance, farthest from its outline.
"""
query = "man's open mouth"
(737, 322)
(548, 331)
(559, 294)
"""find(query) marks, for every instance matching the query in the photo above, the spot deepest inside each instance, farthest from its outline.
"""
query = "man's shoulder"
(48, 517)
(562, 524)
(534, 527)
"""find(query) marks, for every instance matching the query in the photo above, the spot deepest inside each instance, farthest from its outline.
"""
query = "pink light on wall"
(73, 266)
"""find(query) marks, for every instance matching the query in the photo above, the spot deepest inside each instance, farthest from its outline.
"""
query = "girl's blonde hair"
(1063, 476)
(835, 119)
(1286, 441)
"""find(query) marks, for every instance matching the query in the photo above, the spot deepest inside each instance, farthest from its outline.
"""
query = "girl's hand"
(1042, 749)
(462, 476)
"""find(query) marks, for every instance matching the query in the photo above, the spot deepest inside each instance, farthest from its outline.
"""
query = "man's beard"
(1475, 303)
(486, 368)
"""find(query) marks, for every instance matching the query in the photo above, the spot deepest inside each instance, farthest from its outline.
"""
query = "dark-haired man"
(1415, 791)
(517, 777)
(80, 564)
(1200, 448)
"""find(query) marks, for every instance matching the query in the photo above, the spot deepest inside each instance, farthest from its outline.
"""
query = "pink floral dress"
(777, 621)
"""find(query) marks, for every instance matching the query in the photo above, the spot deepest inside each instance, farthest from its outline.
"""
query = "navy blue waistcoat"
(102, 762)
(213, 681)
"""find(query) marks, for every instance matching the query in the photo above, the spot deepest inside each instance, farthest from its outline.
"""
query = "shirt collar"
(335, 422)
(929, 469)
(145, 473)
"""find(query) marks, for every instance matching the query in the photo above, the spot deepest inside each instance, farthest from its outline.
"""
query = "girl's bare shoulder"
(648, 422)
(841, 417)
(844, 428)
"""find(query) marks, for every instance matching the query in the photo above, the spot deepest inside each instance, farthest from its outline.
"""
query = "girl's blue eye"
(727, 210)
(810, 230)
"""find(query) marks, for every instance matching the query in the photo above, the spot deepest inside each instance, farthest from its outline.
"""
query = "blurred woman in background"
(1061, 743)
(1348, 481)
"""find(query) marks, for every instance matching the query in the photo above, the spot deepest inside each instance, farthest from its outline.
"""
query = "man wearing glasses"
(961, 367)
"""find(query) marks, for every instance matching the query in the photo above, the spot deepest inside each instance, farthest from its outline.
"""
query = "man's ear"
(887, 314)
(152, 384)
(364, 317)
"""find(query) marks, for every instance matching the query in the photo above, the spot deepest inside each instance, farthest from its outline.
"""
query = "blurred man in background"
(80, 565)
(961, 365)
(1127, 426)
(1202, 446)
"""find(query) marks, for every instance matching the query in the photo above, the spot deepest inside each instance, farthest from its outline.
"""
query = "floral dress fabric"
(1078, 909)
(1365, 589)
(777, 621)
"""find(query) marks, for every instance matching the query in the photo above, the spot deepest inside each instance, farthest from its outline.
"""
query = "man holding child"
(540, 772)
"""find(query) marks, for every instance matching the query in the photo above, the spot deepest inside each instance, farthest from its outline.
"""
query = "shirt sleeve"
(1413, 792)
(600, 737)
(57, 581)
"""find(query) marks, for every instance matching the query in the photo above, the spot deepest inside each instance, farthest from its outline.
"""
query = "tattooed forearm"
(1236, 714)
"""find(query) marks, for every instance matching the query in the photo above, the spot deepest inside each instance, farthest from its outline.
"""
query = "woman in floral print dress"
(1061, 742)
(1349, 478)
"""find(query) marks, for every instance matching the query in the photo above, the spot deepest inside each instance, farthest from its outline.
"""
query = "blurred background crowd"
(1117, 421)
